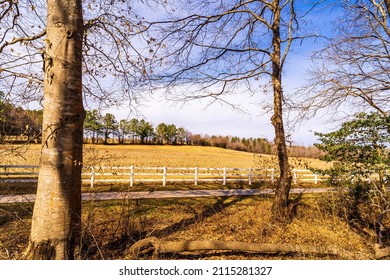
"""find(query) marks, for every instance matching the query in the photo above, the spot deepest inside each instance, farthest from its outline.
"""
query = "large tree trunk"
(155, 246)
(56, 222)
(280, 204)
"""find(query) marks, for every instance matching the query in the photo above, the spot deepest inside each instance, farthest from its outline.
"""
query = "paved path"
(164, 194)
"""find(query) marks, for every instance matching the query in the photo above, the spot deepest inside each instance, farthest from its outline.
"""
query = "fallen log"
(155, 247)
(381, 253)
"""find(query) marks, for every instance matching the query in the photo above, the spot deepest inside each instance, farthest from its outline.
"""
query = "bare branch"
(353, 70)
(22, 40)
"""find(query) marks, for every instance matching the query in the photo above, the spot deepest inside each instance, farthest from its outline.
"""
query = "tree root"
(155, 247)
(40, 251)
(381, 253)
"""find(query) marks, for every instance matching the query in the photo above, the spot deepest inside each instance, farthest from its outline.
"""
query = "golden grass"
(147, 155)
(249, 220)
(150, 156)
(19, 154)
(112, 226)
(170, 156)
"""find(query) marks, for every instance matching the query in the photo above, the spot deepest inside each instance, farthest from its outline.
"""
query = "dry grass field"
(148, 155)
(110, 227)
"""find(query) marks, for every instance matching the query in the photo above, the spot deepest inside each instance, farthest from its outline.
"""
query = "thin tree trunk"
(280, 204)
(56, 222)
(105, 137)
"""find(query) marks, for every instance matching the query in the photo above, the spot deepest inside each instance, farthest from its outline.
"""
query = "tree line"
(106, 129)
(18, 121)
(18, 124)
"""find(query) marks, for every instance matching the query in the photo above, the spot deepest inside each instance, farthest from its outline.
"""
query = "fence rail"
(164, 175)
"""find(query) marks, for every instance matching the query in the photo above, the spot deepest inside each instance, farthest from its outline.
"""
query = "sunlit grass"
(109, 227)
(152, 155)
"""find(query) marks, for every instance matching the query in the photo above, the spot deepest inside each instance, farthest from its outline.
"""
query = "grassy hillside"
(147, 155)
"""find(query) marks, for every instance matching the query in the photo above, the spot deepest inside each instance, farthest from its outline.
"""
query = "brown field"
(147, 155)
(150, 156)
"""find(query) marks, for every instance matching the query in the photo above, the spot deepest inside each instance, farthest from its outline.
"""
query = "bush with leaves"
(360, 153)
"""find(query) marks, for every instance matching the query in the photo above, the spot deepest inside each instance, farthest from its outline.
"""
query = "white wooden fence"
(164, 175)
(19, 173)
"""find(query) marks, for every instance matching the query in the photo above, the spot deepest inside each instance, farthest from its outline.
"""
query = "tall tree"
(123, 130)
(56, 220)
(219, 48)
(172, 133)
(161, 132)
(93, 124)
(101, 46)
(134, 123)
(181, 135)
(110, 126)
(144, 130)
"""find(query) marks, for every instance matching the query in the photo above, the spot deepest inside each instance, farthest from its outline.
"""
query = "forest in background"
(18, 125)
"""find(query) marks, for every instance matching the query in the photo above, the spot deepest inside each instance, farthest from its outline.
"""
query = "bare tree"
(353, 69)
(209, 49)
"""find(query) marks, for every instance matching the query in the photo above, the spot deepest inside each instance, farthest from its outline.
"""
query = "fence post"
(131, 176)
(224, 176)
(273, 175)
(164, 176)
(315, 179)
(250, 177)
(196, 176)
(295, 176)
(92, 176)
